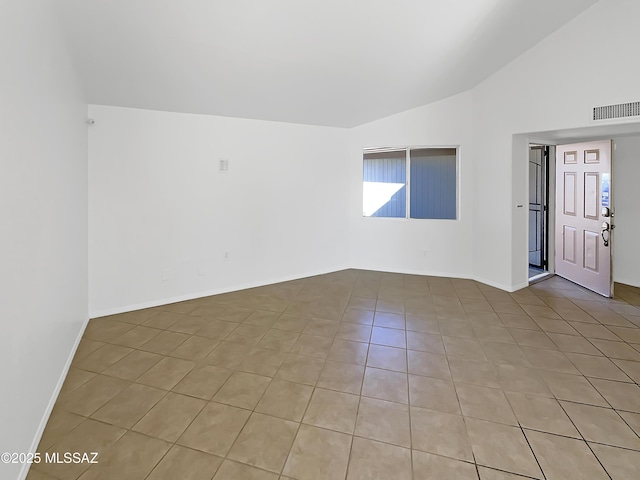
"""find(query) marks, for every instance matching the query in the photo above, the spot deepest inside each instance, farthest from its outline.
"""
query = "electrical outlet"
(226, 256)
(165, 275)
(201, 270)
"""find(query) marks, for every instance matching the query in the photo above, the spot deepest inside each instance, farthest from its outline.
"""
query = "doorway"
(625, 174)
(538, 211)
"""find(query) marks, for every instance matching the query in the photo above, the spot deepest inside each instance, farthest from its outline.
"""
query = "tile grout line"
(406, 352)
(303, 414)
(583, 438)
(531, 449)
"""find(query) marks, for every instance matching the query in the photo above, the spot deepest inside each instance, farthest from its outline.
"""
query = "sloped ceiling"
(324, 62)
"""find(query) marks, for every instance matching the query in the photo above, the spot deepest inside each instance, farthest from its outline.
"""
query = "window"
(384, 184)
(427, 174)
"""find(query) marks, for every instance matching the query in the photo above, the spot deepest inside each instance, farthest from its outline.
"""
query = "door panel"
(570, 193)
(591, 250)
(569, 244)
(584, 259)
(592, 156)
(570, 157)
(591, 190)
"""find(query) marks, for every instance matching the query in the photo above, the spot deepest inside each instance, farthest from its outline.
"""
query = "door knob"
(605, 233)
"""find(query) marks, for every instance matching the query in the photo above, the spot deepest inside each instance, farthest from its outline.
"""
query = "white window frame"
(407, 150)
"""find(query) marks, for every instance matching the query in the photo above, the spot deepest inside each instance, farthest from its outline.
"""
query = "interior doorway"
(538, 211)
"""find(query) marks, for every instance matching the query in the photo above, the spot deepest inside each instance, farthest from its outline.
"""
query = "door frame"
(522, 143)
(551, 206)
(520, 187)
(544, 249)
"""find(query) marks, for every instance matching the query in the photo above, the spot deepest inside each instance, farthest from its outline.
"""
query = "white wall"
(586, 63)
(158, 204)
(626, 199)
(43, 206)
(429, 247)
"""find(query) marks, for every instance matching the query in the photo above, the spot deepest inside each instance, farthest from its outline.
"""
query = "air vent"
(621, 110)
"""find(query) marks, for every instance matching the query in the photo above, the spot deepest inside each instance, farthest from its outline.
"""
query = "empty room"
(275, 239)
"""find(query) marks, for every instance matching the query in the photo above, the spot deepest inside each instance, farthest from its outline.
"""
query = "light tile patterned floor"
(358, 375)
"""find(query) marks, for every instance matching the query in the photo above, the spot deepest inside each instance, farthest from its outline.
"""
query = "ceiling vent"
(621, 110)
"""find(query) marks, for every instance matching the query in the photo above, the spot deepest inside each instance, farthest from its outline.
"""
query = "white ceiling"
(323, 62)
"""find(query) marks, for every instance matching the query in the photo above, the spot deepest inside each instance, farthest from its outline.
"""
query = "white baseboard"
(409, 271)
(244, 286)
(52, 401)
(207, 293)
(467, 276)
(632, 282)
(519, 286)
(501, 286)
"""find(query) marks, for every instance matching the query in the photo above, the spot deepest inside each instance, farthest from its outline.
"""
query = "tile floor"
(358, 375)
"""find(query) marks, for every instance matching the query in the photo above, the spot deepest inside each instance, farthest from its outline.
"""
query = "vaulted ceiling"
(324, 62)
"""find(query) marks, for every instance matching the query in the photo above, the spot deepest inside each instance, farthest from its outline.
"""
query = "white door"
(583, 221)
